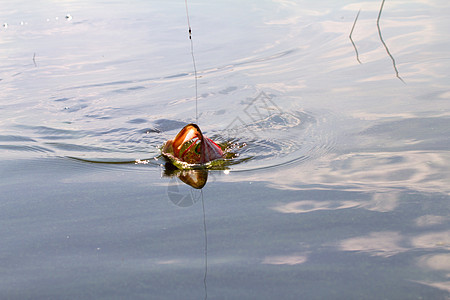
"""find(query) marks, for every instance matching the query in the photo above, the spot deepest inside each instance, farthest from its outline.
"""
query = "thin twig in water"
(350, 36)
(193, 61)
(384, 44)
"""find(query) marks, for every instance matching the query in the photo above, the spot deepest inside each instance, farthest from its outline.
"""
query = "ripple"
(26, 148)
(114, 161)
(281, 139)
(53, 132)
(61, 99)
(21, 144)
(137, 121)
(79, 148)
(163, 125)
(120, 145)
(102, 84)
(278, 140)
(75, 108)
(15, 138)
(252, 61)
(130, 89)
(275, 140)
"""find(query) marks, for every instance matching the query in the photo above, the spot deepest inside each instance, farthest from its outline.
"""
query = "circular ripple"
(276, 140)
(281, 139)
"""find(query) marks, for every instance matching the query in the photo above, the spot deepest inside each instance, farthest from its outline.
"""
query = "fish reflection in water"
(195, 178)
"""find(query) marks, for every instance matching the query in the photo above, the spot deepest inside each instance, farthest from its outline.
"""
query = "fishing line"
(206, 246)
(193, 62)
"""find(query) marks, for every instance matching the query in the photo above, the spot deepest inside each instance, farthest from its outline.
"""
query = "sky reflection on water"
(341, 190)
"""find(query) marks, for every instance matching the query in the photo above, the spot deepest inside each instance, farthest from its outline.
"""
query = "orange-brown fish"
(192, 147)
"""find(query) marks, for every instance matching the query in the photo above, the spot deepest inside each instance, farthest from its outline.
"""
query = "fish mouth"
(192, 147)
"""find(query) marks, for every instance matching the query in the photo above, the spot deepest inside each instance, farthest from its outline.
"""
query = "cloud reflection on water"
(432, 240)
(381, 202)
(389, 243)
(439, 262)
(369, 171)
(383, 244)
(306, 206)
(430, 220)
(293, 259)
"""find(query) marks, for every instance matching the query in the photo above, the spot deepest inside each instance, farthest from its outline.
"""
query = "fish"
(192, 147)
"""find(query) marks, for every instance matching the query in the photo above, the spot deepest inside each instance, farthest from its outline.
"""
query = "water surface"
(340, 185)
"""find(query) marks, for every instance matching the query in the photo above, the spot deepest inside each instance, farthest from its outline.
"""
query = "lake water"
(340, 187)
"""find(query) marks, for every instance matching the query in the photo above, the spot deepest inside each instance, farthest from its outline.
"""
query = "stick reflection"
(381, 39)
(384, 44)
(350, 36)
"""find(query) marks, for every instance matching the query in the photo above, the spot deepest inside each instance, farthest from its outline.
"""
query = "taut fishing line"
(196, 120)
(193, 62)
(206, 247)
